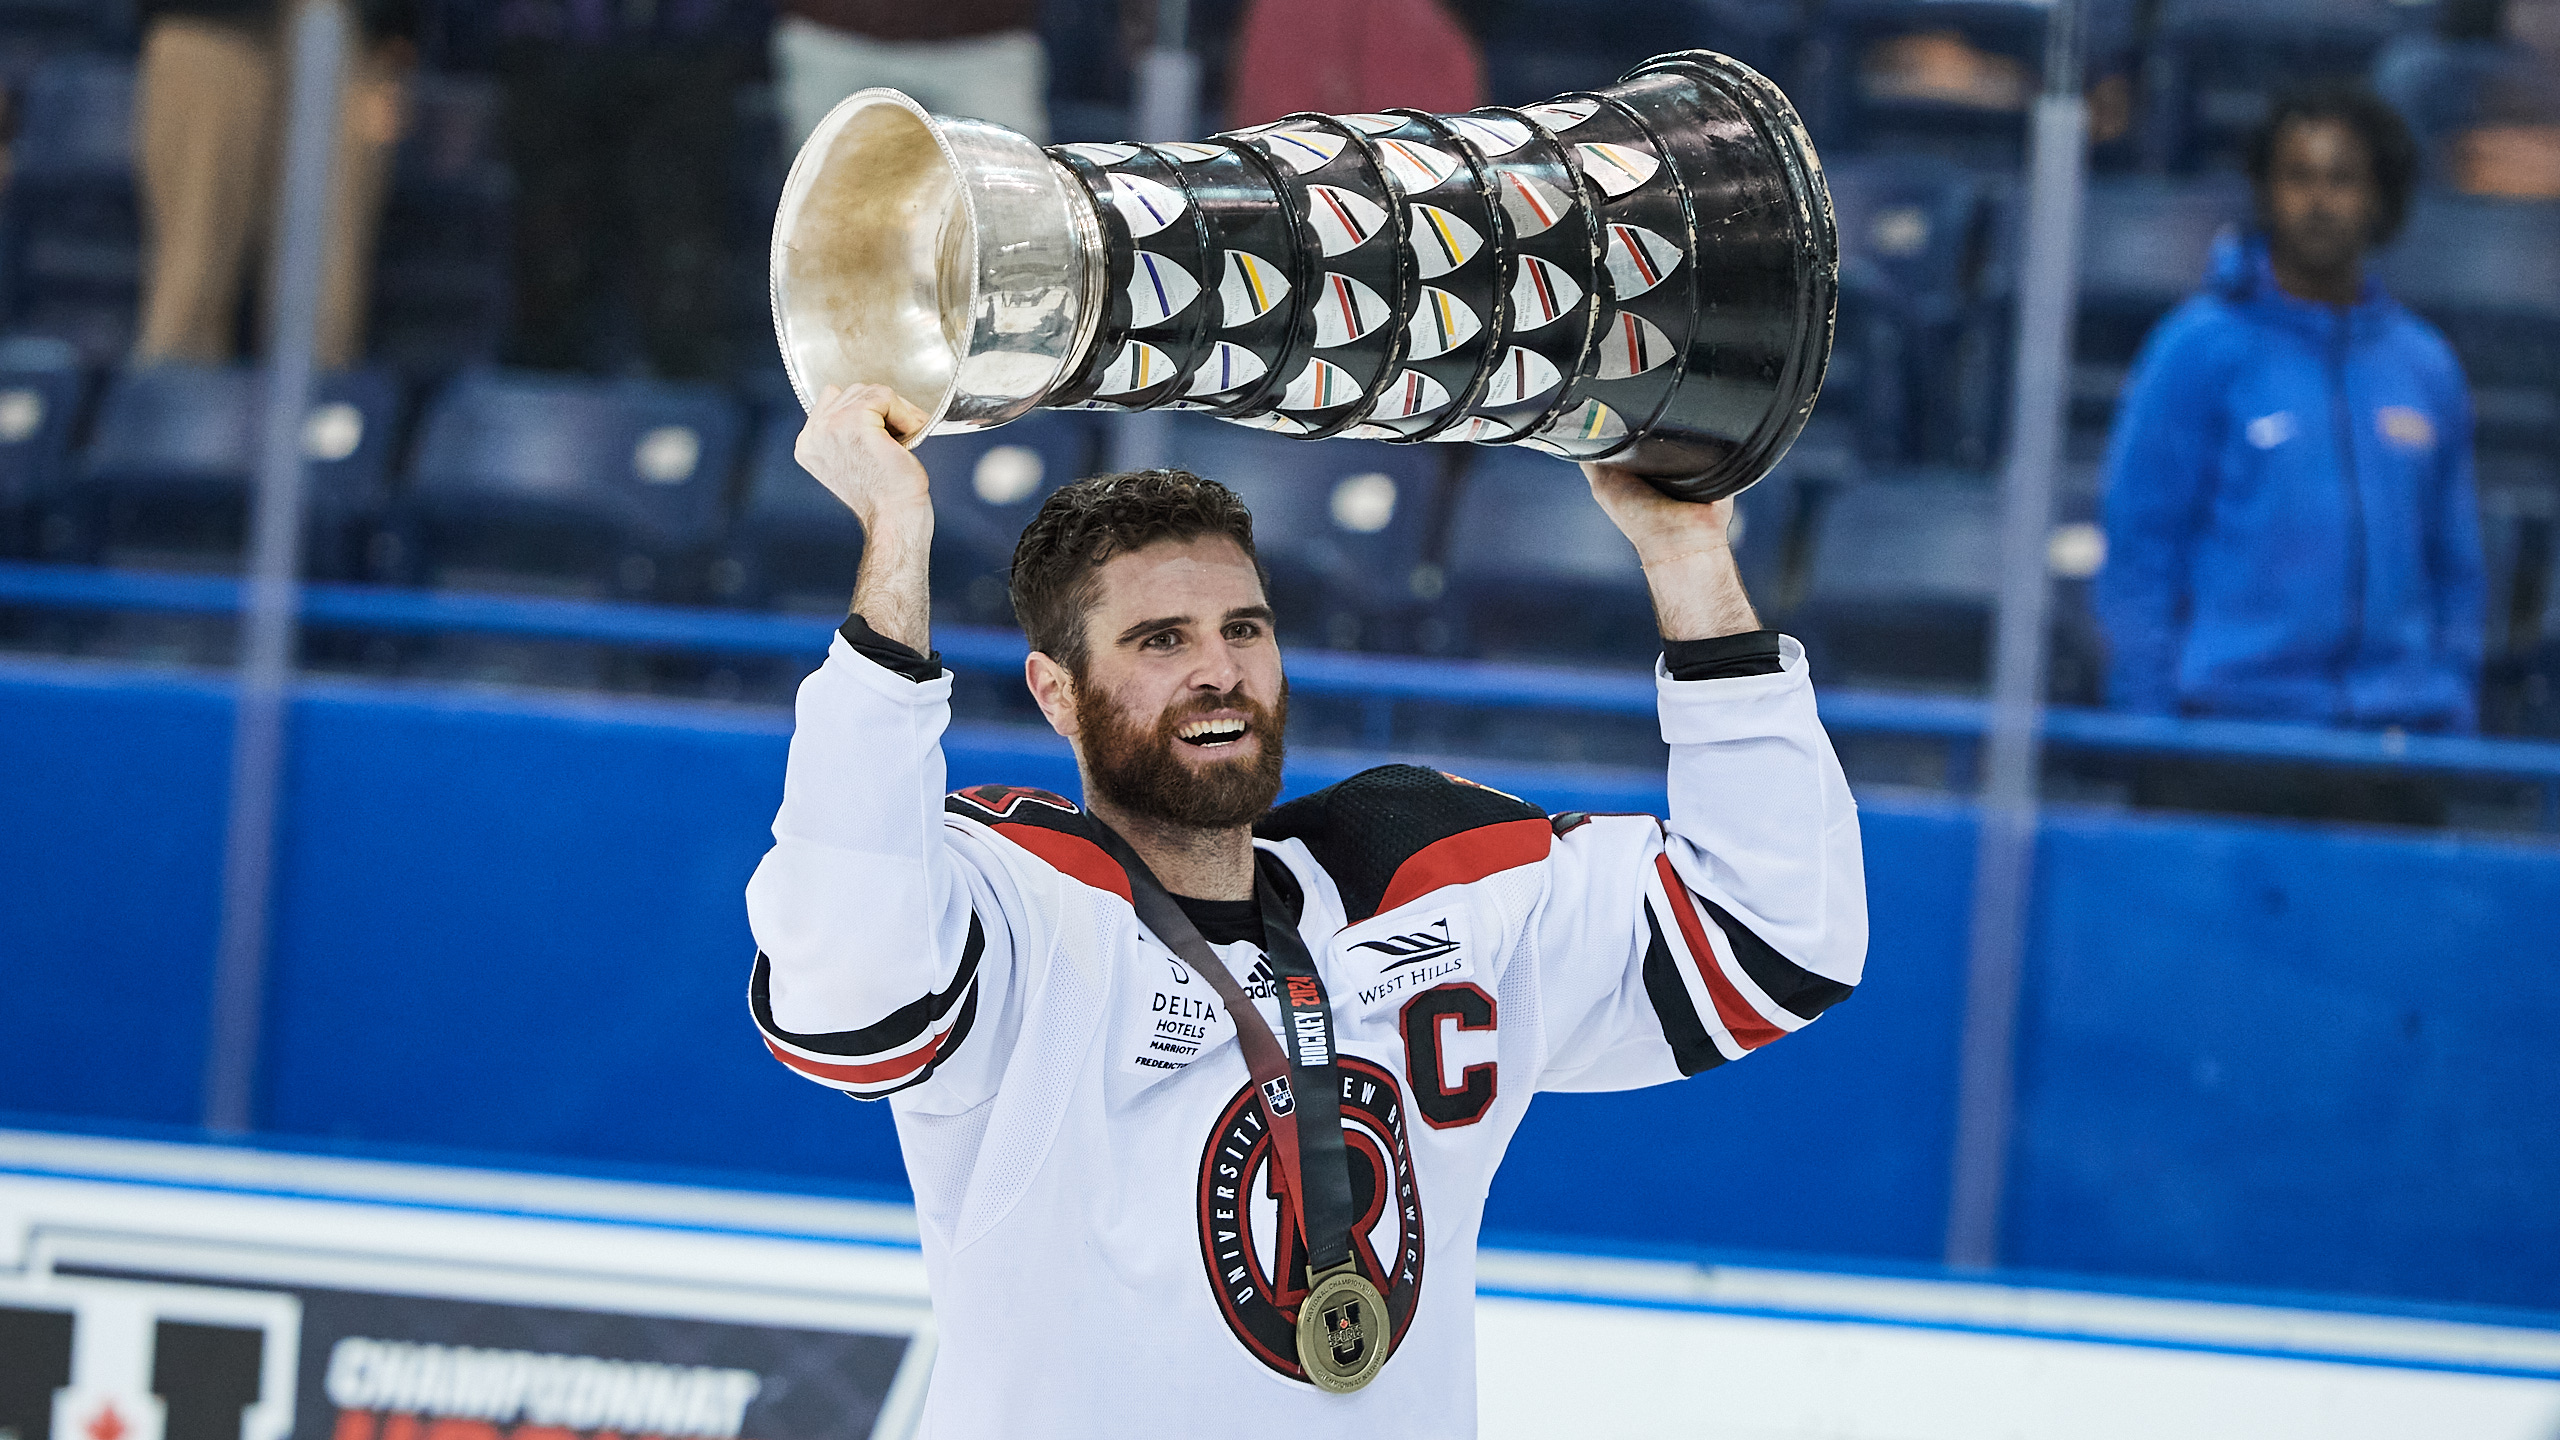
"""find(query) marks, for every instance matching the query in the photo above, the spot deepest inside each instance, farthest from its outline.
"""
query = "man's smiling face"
(1179, 712)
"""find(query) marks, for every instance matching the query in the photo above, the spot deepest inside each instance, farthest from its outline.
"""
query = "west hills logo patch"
(1250, 1242)
(1401, 950)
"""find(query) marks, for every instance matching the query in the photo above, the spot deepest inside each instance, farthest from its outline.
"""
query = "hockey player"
(1200, 1098)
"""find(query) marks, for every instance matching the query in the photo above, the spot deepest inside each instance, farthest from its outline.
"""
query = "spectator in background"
(2483, 94)
(209, 108)
(2289, 514)
(621, 125)
(978, 58)
(1348, 57)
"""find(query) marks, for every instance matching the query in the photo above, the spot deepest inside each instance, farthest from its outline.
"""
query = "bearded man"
(1200, 1098)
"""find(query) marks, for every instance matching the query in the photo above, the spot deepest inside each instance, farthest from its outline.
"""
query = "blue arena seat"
(2515, 550)
(68, 226)
(442, 271)
(796, 546)
(987, 485)
(2488, 273)
(33, 31)
(1536, 571)
(2213, 63)
(1902, 577)
(1913, 244)
(1902, 574)
(1875, 88)
(41, 387)
(793, 546)
(561, 483)
(1343, 526)
(1951, 77)
(1534, 49)
(174, 454)
(1089, 69)
(1767, 542)
(2144, 246)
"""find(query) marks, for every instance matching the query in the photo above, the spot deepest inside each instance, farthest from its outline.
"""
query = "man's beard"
(1135, 768)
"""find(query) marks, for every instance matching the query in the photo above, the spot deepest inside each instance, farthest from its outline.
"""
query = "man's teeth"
(1212, 732)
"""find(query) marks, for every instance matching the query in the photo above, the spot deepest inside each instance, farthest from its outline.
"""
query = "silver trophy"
(1642, 274)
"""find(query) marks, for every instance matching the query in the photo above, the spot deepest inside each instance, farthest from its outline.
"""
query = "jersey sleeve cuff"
(895, 656)
(877, 680)
(1724, 657)
(1772, 702)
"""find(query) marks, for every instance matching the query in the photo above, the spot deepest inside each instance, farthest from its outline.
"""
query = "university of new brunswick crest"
(1249, 1238)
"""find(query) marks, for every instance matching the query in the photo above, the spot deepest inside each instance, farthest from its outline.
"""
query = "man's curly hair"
(1057, 565)
(2387, 143)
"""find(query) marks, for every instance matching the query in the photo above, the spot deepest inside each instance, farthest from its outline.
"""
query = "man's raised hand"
(1685, 548)
(852, 444)
(855, 444)
(1660, 527)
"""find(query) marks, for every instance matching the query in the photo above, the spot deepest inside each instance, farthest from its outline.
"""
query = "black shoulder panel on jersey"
(1362, 830)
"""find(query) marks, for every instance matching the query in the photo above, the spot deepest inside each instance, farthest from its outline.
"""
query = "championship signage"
(152, 1312)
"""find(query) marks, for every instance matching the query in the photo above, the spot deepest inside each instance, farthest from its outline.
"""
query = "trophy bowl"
(1642, 275)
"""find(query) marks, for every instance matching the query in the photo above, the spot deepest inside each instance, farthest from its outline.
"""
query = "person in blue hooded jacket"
(2291, 533)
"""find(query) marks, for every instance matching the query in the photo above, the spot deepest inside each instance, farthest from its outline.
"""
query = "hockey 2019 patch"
(1250, 1242)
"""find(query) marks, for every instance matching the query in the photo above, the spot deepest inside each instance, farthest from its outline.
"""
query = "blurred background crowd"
(2314, 395)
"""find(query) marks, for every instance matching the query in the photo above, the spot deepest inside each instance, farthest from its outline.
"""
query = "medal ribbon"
(1307, 1134)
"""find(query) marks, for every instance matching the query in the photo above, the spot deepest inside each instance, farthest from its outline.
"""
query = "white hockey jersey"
(1106, 1246)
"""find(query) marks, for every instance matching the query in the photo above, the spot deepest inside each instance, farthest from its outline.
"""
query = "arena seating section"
(1873, 541)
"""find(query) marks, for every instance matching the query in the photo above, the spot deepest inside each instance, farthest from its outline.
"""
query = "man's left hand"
(1661, 528)
(1686, 551)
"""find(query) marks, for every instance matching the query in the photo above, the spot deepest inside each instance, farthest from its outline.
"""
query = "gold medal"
(1342, 1331)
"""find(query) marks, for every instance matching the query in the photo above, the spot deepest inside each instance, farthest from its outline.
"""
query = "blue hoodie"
(2291, 533)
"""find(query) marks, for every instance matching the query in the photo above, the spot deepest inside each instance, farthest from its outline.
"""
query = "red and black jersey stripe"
(901, 1049)
(1720, 990)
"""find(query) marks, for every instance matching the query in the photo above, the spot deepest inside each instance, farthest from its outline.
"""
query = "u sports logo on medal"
(1249, 1238)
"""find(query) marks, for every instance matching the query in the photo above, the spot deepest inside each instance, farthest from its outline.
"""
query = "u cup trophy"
(1642, 275)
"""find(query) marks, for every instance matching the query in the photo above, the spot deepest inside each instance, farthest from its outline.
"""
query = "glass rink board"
(158, 1291)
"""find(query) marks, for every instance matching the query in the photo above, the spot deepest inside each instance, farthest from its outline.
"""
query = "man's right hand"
(852, 445)
(855, 444)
